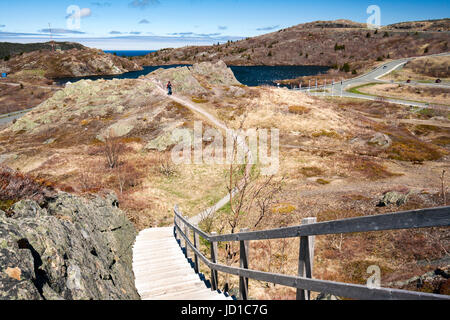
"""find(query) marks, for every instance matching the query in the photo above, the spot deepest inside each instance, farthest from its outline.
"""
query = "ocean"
(129, 53)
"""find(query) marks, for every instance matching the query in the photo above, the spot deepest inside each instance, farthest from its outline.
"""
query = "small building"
(3, 72)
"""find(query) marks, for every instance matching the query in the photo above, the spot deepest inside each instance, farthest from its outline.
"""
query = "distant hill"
(8, 49)
(425, 25)
(344, 44)
(68, 63)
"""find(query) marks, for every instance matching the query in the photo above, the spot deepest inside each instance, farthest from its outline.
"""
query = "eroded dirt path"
(218, 124)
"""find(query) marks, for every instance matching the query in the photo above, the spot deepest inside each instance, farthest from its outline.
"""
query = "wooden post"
(186, 232)
(306, 259)
(175, 233)
(214, 275)
(197, 246)
(243, 255)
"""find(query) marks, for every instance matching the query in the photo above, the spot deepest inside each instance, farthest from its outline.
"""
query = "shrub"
(325, 133)
(113, 148)
(311, 172)
(283, 208)
(299, 110)
(370, 169)
(15, 186)
(346, 67)
(199, 100)
(413, 150)
(339, 47)
(322, 181)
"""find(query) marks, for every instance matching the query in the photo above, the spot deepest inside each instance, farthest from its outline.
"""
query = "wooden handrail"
(423, 218)
(435, 217)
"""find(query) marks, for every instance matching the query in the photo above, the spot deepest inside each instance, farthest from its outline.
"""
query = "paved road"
(7, 118)
(371, 77)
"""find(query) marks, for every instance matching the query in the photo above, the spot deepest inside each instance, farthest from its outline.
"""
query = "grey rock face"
(393, 198)
(381, 140)
(75, 248)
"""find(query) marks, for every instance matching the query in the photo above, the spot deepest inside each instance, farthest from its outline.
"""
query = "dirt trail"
(217, 123)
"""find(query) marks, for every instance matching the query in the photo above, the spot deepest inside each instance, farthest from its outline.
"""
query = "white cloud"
(82, 13)
(142, 4)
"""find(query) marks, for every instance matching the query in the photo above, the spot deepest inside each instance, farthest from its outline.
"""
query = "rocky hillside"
(440, 25)
(327, 43)
(8, 49)
(69, 63)
(330, 150)
(60, 246)
(132, 110)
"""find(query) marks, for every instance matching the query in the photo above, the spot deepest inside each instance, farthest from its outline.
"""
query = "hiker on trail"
(169, 88)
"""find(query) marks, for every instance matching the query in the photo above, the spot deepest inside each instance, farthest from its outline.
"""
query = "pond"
(248, 75)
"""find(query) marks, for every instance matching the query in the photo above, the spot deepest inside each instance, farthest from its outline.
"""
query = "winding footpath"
(161, 269)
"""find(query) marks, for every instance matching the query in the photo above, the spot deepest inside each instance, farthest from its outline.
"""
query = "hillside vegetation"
(8, 49)
(68, 63)
(338, 159)
(326, 43)
(423, 68)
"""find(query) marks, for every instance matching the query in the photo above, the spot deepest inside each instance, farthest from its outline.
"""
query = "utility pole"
(52, 43)
(332, 88)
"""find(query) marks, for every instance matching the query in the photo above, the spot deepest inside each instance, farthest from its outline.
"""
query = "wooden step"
(159, 269)
(168, 281)
(175, 288)
(162, 271)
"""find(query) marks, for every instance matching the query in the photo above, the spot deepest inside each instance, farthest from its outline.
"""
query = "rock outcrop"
(70, 63)
(71, 248)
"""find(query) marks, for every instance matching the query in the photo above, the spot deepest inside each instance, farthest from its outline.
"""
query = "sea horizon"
(129, 53)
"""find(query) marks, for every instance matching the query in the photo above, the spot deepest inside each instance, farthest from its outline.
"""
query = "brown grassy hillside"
(69, 63)
(327, 43)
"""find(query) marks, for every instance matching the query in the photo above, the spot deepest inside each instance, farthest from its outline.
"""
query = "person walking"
(169, 88)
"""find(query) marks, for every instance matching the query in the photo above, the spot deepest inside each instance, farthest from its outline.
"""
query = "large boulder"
(393, 197)
(73, 248)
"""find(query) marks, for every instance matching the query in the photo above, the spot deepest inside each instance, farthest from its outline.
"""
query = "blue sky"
(154, 24)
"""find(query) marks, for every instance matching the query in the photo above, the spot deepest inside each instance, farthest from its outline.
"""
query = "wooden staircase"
(162, 272)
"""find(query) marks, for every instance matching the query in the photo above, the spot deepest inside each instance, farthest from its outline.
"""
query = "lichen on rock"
(74, 248)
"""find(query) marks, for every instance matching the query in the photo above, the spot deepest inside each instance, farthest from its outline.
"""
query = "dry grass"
(406, 92)
(298, 110)
(369, 169)
(198, 100)
(15, 186)
(425, 68)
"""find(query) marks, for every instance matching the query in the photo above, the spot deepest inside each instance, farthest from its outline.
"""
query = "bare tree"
(166, 166)
(113, 149)
(443, 188)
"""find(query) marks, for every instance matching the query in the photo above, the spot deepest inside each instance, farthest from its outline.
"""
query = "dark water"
(129, 53)
(250, 76)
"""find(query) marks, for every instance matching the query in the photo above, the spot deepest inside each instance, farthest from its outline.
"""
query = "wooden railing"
(304, 283)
